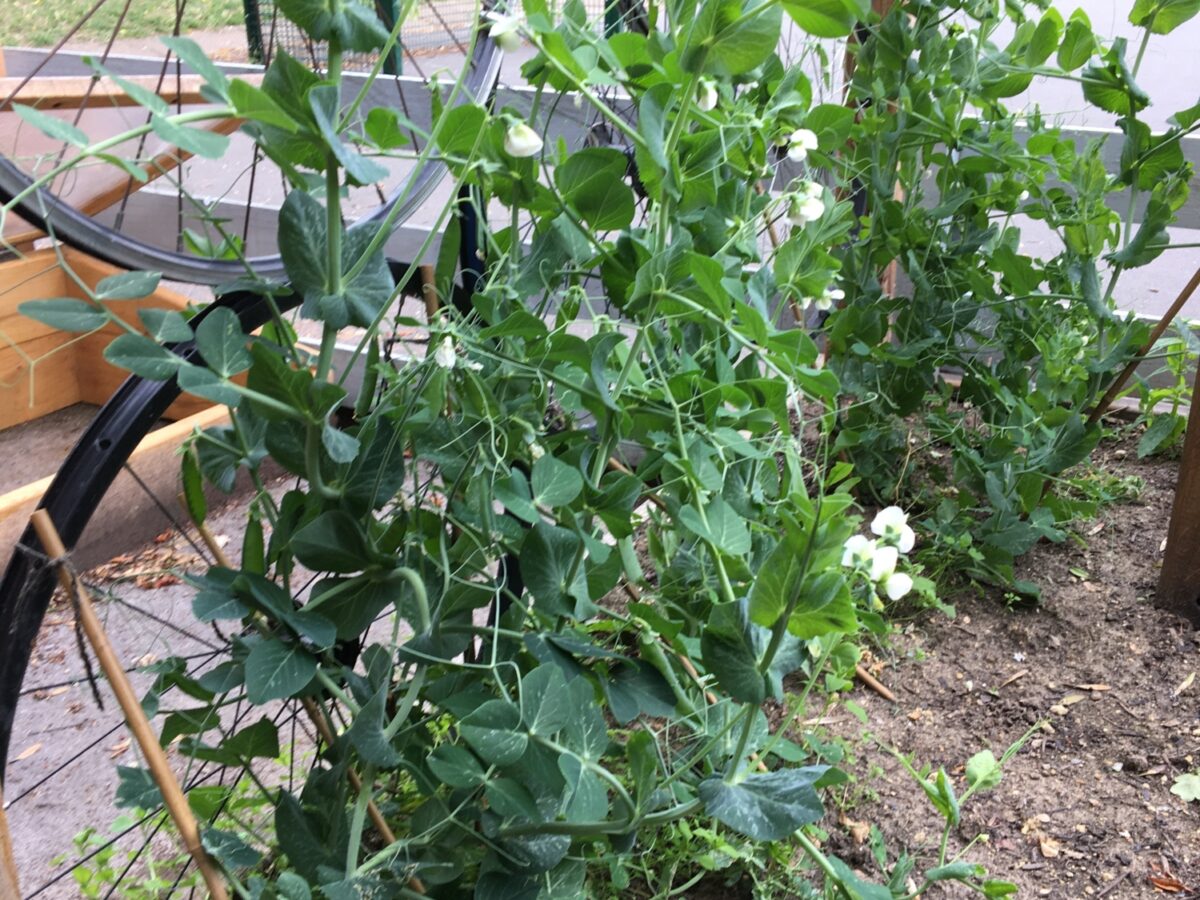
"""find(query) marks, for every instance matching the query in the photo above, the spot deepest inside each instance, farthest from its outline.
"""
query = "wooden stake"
(9, 889)
(319, 720)
(428, 276)
(1179, 580)
(1167, 318)
(156, 759)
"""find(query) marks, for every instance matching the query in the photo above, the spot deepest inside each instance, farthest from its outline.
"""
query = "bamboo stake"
(428, 276)
(318, 717)
(1167, 318)
(156, 759)
(9, 889)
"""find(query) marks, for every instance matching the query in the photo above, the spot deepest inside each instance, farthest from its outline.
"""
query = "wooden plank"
(9, 889)
(75, 91)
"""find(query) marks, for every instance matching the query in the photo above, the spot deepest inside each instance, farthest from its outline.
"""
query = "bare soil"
(1085, 808)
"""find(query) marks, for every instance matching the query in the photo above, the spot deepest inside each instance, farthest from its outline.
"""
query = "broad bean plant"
(546, 575)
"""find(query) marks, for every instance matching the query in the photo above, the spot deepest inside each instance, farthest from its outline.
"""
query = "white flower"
(706, 95)
(803, 210)
(801, 141)
(897, 585)
(444, 355)
(505, 31)
(891, 524)
(883, 563)
(828, 297)
(536, 451)
(857, 551)
(522, 141)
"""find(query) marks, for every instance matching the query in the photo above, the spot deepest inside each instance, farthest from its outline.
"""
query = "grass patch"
(38, 23)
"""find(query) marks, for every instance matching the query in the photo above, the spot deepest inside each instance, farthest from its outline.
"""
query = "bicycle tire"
(44, 210)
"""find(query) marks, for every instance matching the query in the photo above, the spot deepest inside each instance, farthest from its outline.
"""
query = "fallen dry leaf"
(859, 831)
(1184, 685)
(1072, 699)
(118, 748)
(29, 751)
(1090, 687)
(1167, 883)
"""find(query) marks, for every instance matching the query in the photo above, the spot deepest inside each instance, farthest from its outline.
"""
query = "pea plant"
(541, 581)
(992, 354)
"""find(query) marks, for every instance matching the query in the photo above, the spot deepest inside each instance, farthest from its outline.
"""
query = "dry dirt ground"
(1085, 809)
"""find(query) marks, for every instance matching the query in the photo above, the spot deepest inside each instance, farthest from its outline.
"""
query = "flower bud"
(706, 95)
(444, 355)
(522, 141)
(505, 31)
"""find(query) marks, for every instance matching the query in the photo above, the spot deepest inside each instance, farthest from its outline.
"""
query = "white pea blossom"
(807, 204)
(897, 585)
(706, 95)
(858, 551)
(891, 524)
(536, 451)
(445, 355)
(801, 141)
(522, 141)
(505, 31)
(828, 298)
(883, 563)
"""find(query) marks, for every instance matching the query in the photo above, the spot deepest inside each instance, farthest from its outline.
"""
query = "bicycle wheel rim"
(51, 215)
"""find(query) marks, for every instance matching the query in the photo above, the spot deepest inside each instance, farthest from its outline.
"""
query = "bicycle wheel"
(191, 204)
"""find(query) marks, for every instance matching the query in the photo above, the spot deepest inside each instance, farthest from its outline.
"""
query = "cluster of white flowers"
(878, 557)
(807, 203)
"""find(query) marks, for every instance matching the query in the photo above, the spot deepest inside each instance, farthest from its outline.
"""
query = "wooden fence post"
(1179, 581)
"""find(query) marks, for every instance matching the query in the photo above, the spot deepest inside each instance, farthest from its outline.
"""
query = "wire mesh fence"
(432, 28)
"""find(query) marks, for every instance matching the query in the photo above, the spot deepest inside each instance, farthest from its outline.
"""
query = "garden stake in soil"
(156, 758)
(9, 889)
(1179, 580)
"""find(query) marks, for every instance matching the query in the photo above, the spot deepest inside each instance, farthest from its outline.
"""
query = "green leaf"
(509, 798)
(302, 240)
(1111, 86)
(554, 482)
(983, 771)
(143, 357)
(456, 766)
(230, 850)
(384, 128)
(514, 494)
(545, 700)
(636, 688)
(766, 806)
(494, 732)
(323, 100)
(730, 657)
(1187, 786)
(276, 670)
(254, 103)
(1162, 430)
(137, 789)
(1150, 239)
(260, 740)
(203, 383)
(776, 584)
(1078, 43)
(460, 129)
(142, 96)
(592, 182)
(1162, 16)
(65, 314)
(332, 542)
(127, 286)
(744, 37)
(197, 141)
(222, 343)
(547, 556)
(52, 127)
(1045, 38)
(367, 736)
(824, 18)
(193, 54)
(721, 526)
(167, 326)
(825, 607)
(341, 446)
